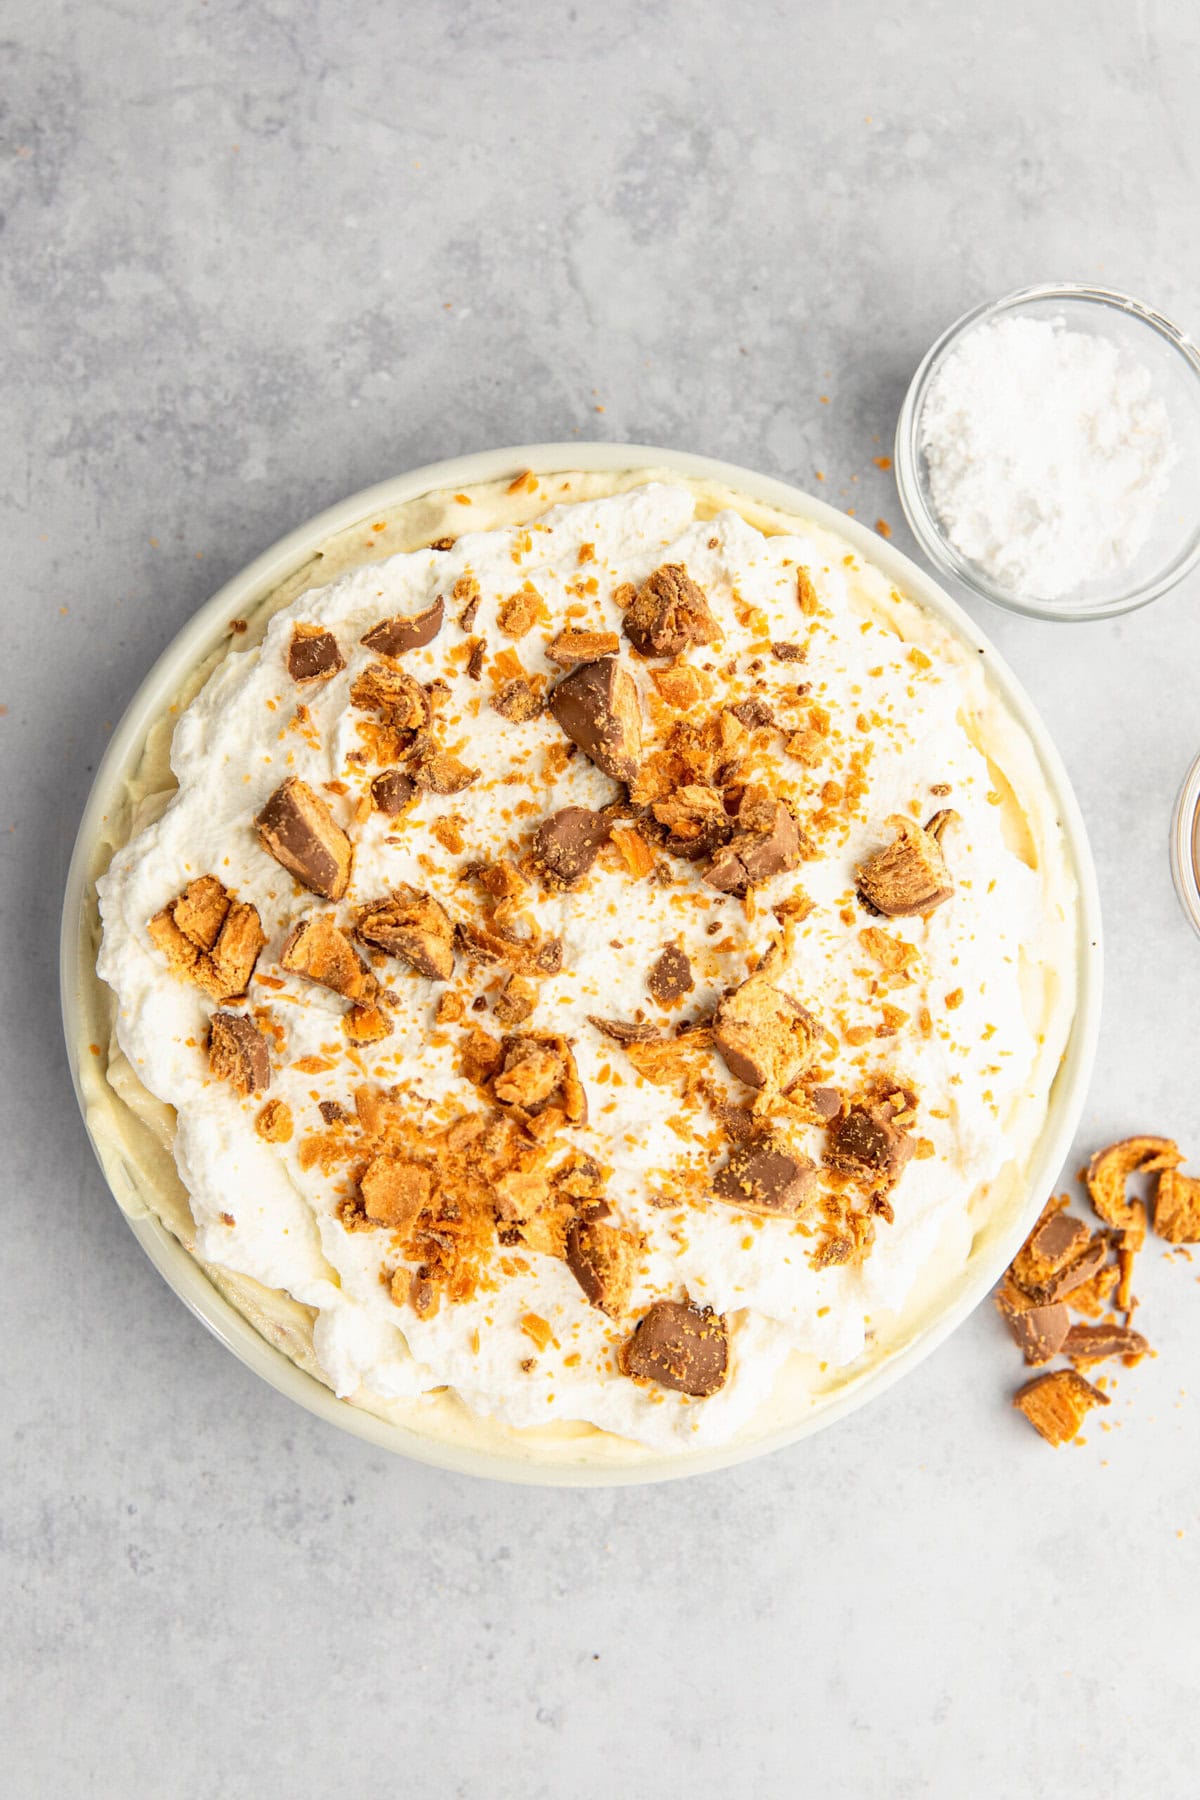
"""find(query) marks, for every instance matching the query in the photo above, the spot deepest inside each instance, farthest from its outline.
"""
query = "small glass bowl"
(1185, 845)
(1173, 547)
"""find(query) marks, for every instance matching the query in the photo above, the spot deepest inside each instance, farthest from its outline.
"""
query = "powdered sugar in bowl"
(1048, 453)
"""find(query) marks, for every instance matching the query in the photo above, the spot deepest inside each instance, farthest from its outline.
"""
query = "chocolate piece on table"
(571, 647)
(392, 791)
(313, 654)
(393, 636)
(237, 1053)
(412, 926)
(1039, 1332)
(1109, 1170)
(299, 831)
(910, 875)
(597, 707)
(1057, 1404)
(1072, 1275)
(567, 843)
(1058, 1239)
(669, 611)
(767, 1039)
(680, 1346)
(670, 978)
(764, 1176)
(1177, 1208)
(316, 949)
(1096, 1343)
(602, 1260)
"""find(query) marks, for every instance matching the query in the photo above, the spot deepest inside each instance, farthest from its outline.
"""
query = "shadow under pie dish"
(549, 993)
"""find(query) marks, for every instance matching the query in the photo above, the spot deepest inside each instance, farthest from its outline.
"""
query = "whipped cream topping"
(970, 1037)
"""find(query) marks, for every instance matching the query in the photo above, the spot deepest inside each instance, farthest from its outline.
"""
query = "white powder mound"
(1048, 454)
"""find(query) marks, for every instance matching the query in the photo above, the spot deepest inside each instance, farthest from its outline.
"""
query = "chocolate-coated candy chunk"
(597, 706)
(517, 700)
(397, 698)
(313, 654)
(679, 1346)
(411, 926)
(393, 636)
(1039, 1332)
(392, 791)
(318, 951)
(1057, 1404)
(670, 978)
(767, 845)
(754, 713)
(567, 843)
(571, 647)
(768, 1039)
(1096, 1343)
(299, 831)
(764, 1176)
(622, 1031)
(669, 611)
(864, 1143)
(237, 1053)
(602, 1260)
(909, 876)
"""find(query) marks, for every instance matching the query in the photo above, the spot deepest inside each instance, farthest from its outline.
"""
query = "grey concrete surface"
(256, 254)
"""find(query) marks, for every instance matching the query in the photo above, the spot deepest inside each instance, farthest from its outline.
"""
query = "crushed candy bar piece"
(1057, 1404)
(866, 1144)
(1070, 1276)
(1177, 1208)
(392, 791)
(412, 926)
(394, 636)
(394, 1190)
(669, 612)
(316, 949)
(1056, 1240)
(788, 652)
(313, 655)
(909, 876)
(571, 647)
(210, 938)
(516, 615)
(694, 819)
(1109, 1170)
(442, 773)
(274, 1122)
(768, 1039)
(366, 1023)
(394, 695)
(237, 1053)
(516, 1000)
(1098, 1343)
(1092, 1296)
(597, 707)
(517, 700)
(763, 1175)
(679, 1346)
(754, 714)
(566, 845)
(538, 1071)
(670, 979)
(767, 844)
(1039, 1332)
(603, 1260)
(633, 1031)
(299, 831)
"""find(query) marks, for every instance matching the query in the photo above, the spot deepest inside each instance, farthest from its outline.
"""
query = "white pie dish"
(209, 628)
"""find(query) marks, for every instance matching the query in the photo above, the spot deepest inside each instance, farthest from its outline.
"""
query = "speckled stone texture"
(256, 256)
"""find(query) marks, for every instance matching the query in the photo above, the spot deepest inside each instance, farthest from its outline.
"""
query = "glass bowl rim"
(907, 455)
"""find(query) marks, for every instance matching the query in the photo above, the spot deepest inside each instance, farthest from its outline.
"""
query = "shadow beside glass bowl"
(1173, 546)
